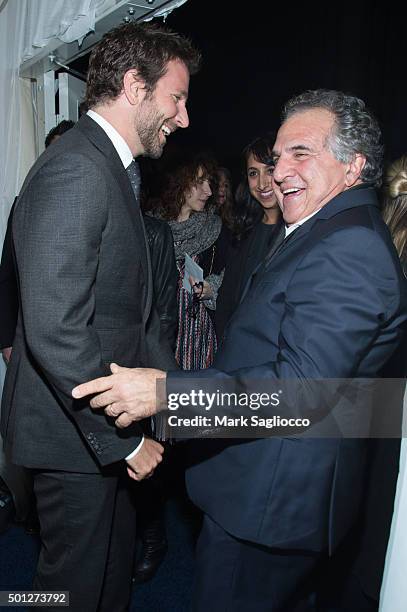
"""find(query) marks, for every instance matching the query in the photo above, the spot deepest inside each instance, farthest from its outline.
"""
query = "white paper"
(191, 269)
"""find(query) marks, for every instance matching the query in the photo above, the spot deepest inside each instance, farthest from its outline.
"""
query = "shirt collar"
(118, 141)
(290, 228)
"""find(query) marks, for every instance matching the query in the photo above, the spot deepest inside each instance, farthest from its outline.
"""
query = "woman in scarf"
(197, 232)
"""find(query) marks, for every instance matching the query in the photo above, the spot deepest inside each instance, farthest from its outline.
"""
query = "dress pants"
(19, 482)
(87, 538)
(233, 575)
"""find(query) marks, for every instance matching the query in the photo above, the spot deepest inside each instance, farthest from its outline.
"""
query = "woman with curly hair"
(197, 231)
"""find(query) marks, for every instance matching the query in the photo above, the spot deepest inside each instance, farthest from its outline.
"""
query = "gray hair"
(356, 129)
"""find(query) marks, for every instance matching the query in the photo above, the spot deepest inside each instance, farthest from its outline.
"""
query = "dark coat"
(165, 275)
(331, 303)
(8, 290)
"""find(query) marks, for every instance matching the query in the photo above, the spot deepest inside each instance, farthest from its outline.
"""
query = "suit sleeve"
(58, 231)
(343, 294)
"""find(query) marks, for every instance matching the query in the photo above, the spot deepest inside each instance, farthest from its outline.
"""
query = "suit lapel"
(360, 195)
(149, 273)
(277, 244)
(102, 142)
(245, 254)
(281, 244)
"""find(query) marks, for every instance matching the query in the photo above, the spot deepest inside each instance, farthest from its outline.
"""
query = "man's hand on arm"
(143, 464)
(130, 394)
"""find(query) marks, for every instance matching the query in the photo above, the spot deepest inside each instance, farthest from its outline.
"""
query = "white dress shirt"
(290, 228)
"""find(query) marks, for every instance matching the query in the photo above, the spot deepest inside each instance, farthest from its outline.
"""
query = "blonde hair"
(395, 204)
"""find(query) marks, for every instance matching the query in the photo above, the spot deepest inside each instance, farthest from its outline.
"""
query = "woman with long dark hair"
(256, 226)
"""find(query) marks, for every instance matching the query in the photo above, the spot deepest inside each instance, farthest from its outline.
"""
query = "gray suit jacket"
(85, 300)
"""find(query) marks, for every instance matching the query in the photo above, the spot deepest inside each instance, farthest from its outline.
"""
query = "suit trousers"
(233, 575)
(88, 529)
(19, 482)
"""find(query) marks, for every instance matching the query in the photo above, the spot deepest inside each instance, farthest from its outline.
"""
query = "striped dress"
(196, 340)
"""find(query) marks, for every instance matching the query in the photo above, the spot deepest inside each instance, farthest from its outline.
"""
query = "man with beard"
(85, 287)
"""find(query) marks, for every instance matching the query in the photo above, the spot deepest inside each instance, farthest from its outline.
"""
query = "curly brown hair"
(144, 47)
(179, 181)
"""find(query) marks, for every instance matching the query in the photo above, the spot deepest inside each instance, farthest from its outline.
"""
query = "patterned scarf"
(196, 234)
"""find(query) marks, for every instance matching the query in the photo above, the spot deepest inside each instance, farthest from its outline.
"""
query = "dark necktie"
(281, 241)
(159, 423)
(133, 172)
(134, 175)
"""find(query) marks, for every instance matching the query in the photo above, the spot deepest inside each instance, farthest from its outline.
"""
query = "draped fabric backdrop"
(27, 26)
(16, 143)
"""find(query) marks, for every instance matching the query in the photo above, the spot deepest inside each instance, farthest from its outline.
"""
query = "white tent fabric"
(49, 19)
(26, 27)
(11, 43)
(164, 12)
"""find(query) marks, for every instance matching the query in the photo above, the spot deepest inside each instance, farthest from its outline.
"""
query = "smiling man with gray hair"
(329, 303)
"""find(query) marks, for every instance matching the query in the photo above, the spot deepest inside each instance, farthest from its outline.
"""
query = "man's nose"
(182, 118)
(281, 170)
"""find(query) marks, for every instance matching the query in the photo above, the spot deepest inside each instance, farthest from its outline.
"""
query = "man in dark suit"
(329, 302)
(85, 290)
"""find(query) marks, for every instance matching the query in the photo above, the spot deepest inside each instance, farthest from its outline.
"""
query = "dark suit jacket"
(85, 287)
(330, 303)
(241, 259)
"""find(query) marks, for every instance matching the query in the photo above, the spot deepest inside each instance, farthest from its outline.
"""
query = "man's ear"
(354, 170)
(134, 88)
